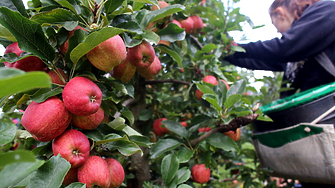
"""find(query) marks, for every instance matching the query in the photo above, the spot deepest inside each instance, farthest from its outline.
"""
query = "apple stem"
(92, 99)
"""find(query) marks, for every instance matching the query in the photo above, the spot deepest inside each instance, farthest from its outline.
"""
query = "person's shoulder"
(324, 4)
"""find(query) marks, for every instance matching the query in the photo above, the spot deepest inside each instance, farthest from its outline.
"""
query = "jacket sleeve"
(309, 35)
(255, 64)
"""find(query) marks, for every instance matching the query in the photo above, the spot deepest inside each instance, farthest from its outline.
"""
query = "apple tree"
(144, 81)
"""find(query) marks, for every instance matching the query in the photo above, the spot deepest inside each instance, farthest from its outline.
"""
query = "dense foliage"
(126, 133)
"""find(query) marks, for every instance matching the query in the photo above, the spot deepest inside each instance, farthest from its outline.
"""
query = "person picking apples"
(304, 51)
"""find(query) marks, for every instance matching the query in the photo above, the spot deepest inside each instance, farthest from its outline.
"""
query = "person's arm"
(255, 64)
(309, 35)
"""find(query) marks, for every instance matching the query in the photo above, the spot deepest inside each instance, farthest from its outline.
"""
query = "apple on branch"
(27, 64)
(89, 122)
(108, 54)
(124, 71)
(187, 24)
(65, 46)
(152, 70)
(208, 79)
(200, 173)
(198, 24)
(116, 171)
(55, 77)
(71, 176)
(142, 55)
(158, 127)
(95, 173)
(81, 96)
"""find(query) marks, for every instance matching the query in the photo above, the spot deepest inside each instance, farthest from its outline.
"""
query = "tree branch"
(166, 81)
(231, 126)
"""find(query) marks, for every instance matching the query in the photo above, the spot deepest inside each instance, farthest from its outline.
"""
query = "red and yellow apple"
(56, 77)
(124, 71)
(187, 24)
(200, 173)
(116, 171)
(142, 55)
(88, 122)
(158, 127)
(108, 54)
(152, 70)
(208, 79)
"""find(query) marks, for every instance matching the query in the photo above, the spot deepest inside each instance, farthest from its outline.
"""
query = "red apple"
(73, 146)
(141, 55)
(71, 176)
(198, 24)
(158, 129)
(124, 72)
(31, 63)
(55, 78)
(235, 135)
(225, 83)
(88, 122)
(204, 129)
(200, 173)
(152, 70)
(116, 171)
(46, 120)
(183, 123)
(176, 22)
(162, 4)
(208, 79)
(81, 96)
(64, 47)
(187, 24)
(95, 173)
(108, 54)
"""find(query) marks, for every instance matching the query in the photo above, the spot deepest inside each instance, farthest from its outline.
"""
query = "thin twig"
(166, 81)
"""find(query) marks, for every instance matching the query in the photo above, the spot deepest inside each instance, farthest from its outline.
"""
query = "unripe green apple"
(95, 173)
(141, 55)
(31, 63)
(88, 122)
(116, 171)
(108, 54)
(81, 96)
(200, 173)
(73, 146)
(47, 120)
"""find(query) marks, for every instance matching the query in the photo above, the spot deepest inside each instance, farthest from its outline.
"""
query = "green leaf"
(151, 36)
(92, 41)
(221, 141)
(14, 5)
(237, 88)
(21, 81)
(17, 156)
(122, 144)
(173, 54)
(131, 26)
(50, 174)
(57, 16)
(169, 168)
(7, 131)
(184, 186)
(176, 128)
(232, 99)
(162, 146)
(161, 13)
(141, 140)
(128, 114)
(183, 174)
(70, 4)
(29, 34)
(130, 131)
(172, 33)
(117, 124)
(111, 5)
(4, 33)
(208, 48)
(184, 155)
(76, 185)
(22, 163)
(237, 48)
(44, 93)
(145, 115)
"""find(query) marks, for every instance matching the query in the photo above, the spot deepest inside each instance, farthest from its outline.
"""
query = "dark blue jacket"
(308, 36)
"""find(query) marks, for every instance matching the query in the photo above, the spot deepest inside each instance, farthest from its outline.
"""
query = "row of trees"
(140, 95)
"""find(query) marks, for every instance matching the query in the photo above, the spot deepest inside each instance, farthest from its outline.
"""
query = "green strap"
(282, 137)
